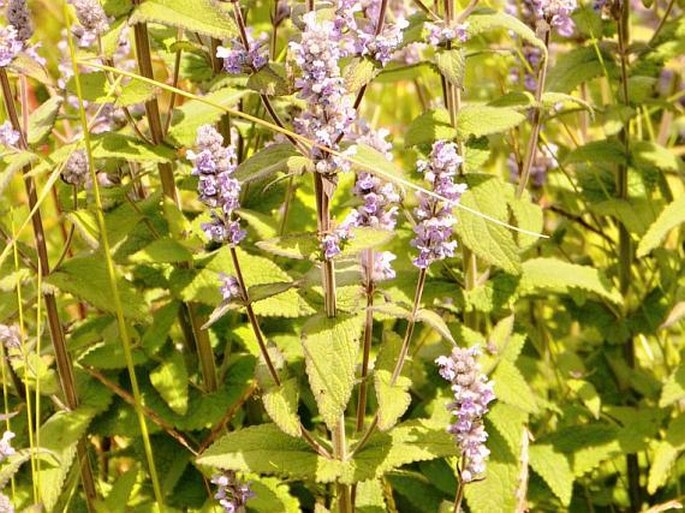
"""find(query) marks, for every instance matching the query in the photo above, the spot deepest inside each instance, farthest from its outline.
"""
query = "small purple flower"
(229, 288)
(214, 165)
(10, 337)
(382, 268)
(232, 494)
(10, 45)
(76, 169)
(5, 504)
(434, 227)
(18, 16)
(92, 18)
(6, 449)
(239, 60)
(545, 159)
(332, 243)
(439, 33)
(472, 394)
(9, 137)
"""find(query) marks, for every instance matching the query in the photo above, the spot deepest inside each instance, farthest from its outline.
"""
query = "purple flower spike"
(231, 494)
(214, 165)
(472, 394)
(76, 170)
(434, 228)
(10, 337)
(230, 288)
(6, 449)
(10, 45)
(9, 137)
(19, 17)
(239, 60)
(5, 504)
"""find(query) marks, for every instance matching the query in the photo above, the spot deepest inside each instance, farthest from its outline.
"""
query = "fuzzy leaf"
(577, 66)
(170, 379)
(648, 155)
(479, 120)
(358, 73)
(671, 216)
(162, 251)
(269, 80)
(280, 402)
(544, 275)
(43, 119)
(87, 279)
(554, 468)
(666, 453)
(493, 243)
(436, 322)
(272, 495)
(429, 127)
(674, 387)
(270, 160)
(452, 65)
(480, 23)
(302, 246)
(331, 346)
(511, 387)
(369, 497)
(86, 225)
(201, 16)
(393, 400)
(12, 164)
(116, 146)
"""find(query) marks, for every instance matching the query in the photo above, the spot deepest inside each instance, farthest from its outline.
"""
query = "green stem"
(368, 335)
(112, 277)
(62, 359)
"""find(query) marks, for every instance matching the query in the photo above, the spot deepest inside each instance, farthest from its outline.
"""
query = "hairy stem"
(368, 256)
(62, 358)
(112, 277)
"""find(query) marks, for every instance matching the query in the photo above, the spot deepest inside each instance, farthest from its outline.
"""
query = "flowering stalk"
(62, 359)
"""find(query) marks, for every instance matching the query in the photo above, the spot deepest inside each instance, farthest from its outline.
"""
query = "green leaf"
(577, 66)
(117, 146)
(393, 400)
(43, 119)
(265, 225)
(479, 120)
(170, 379)
(13, 163)
(87, 226)
(202, 16)
(271, 495)
(587, 393)
(369, 497)
(372, 159)
(545, 275)
(666, 453)
(555, 469)
(331, 346)
(671, 216)
(480, 23)
(194, 113)
(493, 243)
(648, 155)
(87, 279)
(554, 101)
(512, 388)
(95, 87)
(269, 80)
(587, 445)
(365, 237)
(607, 151)
(120, 493)
(452, 65)
(429, 127)
(271, 160)
(358, 73)
(436, 322)
(280, 402)
(136, 92)
(674, 387)
(162, 251)
(300, 246)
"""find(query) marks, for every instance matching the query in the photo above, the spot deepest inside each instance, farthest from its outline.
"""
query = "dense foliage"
(342, 255)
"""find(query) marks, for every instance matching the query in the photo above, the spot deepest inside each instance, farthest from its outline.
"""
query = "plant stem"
(322, 186)
(624, 242)
(62, 359)
(368, 255)
(537, 122)
(111, 273)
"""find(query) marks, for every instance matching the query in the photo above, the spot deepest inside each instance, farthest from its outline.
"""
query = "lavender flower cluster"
(329, 113)
(545, 159)
(10, 45)
(434, 215)
(6, 449)
(76, 169)
(9, 137)
(238, 59)
(93, 21)
(214, 165)
(557, 13)
(441, 32)
(232, 494)
(14, 38)
(5, 504)
(472, 394)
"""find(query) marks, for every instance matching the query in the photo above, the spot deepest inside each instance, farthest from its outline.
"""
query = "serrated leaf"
(358, 73)
(86, 225)
(587, 446)
(551, 100)
(117, 146)
(265, 225)
(393, 400)
(587, 393)
(479, 120)
(544, 275)
(493, 243)
(369, 497)
(674, 387)
(43, 119)
(646, 154)
(120, 493)
(371, 159)
(269, 80)
(554, 468)
(666, 453)
(452, 65)
(162, 251)
(671, 216)
(607, 151)
(429, 127)
(481, 23)
(436, 322)
(271, 495)
(577, 66)
(170, 379)
(201, 16)
(302, 246)
(87, 279)
(331, 346)
(280, 402)
(12, 164)
(194, 113)
(270, 160)
(135, 92)
(365, 237)
(512, 388)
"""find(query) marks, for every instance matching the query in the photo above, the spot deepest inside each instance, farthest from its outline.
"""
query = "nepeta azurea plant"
(214, 271)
